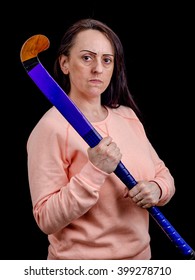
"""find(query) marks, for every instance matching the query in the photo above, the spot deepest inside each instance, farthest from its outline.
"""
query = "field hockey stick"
(55, 94)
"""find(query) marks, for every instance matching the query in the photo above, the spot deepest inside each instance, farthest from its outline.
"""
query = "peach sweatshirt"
(82, 209)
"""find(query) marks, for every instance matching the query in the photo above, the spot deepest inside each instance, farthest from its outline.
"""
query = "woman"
(83, 207)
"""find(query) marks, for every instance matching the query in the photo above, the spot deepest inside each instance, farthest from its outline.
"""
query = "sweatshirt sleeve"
(57, 199)
(162, 175)
(163, 178)
(56, 210)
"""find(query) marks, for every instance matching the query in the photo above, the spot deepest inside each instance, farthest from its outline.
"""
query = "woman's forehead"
(94, 41)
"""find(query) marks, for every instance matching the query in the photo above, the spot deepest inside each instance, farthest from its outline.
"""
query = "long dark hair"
(117, 93)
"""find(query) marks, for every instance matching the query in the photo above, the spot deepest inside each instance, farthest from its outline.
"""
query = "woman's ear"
(63, 61)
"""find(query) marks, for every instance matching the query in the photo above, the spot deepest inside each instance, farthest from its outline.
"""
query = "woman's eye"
(107, 60)
(86, 58)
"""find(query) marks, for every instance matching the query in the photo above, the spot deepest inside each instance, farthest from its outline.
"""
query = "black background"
(159, 58)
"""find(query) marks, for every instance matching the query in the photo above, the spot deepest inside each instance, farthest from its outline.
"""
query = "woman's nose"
(97, 66)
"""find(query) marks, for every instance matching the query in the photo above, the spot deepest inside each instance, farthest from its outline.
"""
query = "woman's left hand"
(145, 194)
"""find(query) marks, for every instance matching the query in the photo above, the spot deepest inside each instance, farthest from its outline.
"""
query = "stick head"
(33, 46)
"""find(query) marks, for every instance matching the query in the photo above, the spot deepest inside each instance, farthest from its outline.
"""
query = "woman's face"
(90, 65)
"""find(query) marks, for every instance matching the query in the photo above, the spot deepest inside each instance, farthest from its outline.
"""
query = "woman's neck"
(96, 114)
(92, 109)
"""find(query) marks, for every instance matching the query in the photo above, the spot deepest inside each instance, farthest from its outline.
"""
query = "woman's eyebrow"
(95, 52)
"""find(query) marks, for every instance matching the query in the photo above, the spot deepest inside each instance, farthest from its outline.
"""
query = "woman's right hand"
(106, 155)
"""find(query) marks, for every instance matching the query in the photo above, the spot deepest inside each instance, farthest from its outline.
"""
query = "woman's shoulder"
(52, 120)
(125, 112)
(54, 116)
